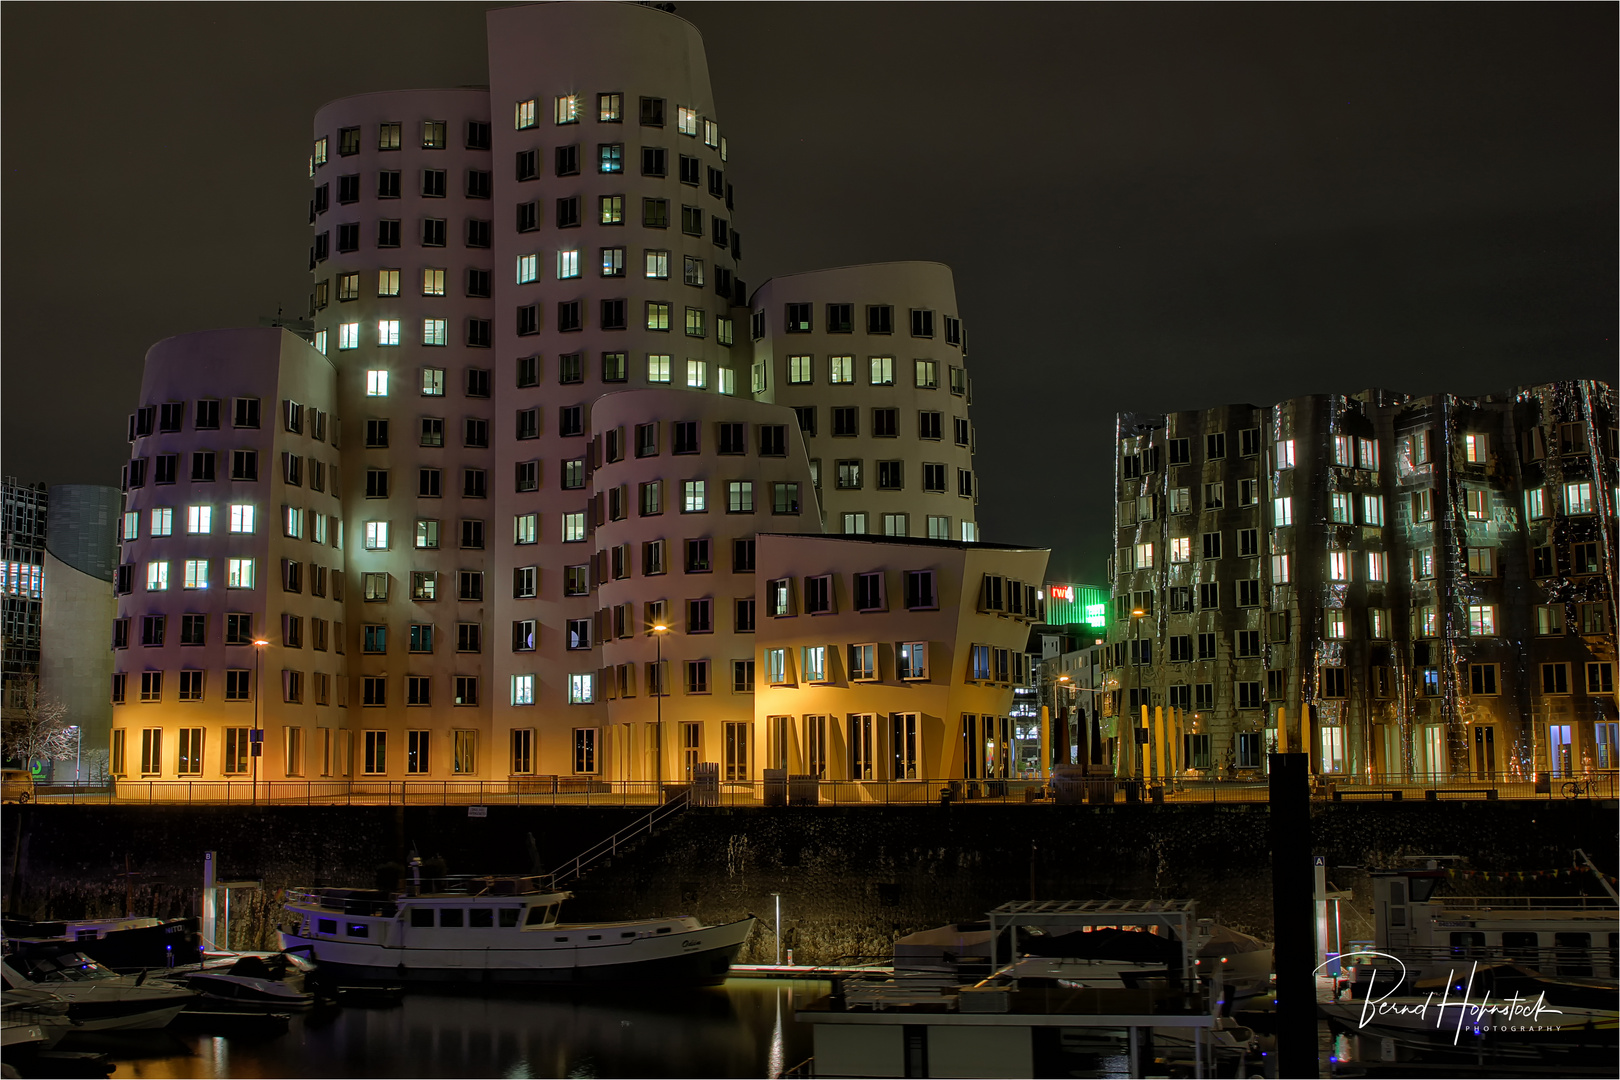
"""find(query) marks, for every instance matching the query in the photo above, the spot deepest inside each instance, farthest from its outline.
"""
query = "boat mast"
(1602, 879)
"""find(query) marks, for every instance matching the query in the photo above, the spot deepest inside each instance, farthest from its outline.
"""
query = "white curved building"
(873, 361)
(557, 430)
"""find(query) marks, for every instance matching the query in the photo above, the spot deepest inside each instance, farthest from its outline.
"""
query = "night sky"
(1147, 206)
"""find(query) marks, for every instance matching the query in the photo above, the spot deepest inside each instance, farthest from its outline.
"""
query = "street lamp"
(658, 631)
(78, 750)
(255, 746)
(1136, 684)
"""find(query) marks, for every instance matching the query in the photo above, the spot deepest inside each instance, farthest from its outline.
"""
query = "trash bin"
(776, 787)
(1543, 783)
(804, 789)
(1133, 791)
(1156, 794)
(1100, 791)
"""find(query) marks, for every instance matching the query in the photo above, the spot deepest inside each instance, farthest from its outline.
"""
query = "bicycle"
(1575, 789)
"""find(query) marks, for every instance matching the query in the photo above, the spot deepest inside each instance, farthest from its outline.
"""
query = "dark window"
(528, 164)
(732, 439)
(655, 213)
(654, 161)
(798, 319)
(567, 158)
(433, 231)
(477, 135)
(478, 382)
(433, 183)
(528, 217)
(885, 423)
(922, 323)
(348, 189)
(846, 420)
(652, 112)
(571, 420)
(388, 184)
(478, 333)
(614, 316)
(773, 440)
(807, 418)
(570, 370)
(568, 317)
(478, 184)
(686, 437)
(477, 282)
(880, 319)
(691, 170)
(568, 213)
(840, 318)
(477, 233)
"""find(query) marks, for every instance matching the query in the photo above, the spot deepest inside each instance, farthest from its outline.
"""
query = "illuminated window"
(581, 689)
(1475, 447)
(387, 282)
(927, 375)
(801, 370)
(697, 374)
(1338, 566)
(694, 497)
(1372, 509)
(526, 529)
(1282, 511)
(1339, 507)
(1578, 498)
(349, 335)
(657, 368)
(567, 264)
(1341, 450)
(376, 535)
(1482, 620)
(525, 115)
(882, 370)
(613, 262)
(658, 264)
(1535, 504)
(376, 383)
(1334, 623)
(610, 209)
(1375, 566)
(1477, 504)
(711, 133)
(657, 315)
(565, 109)
(573, 531)
(686, 120)
(1280, 570)
(320, 342)
(433, 382)
(162, 521)
(434, 331)
(157, 576)
(196, 573)
(727, 381)
(1144, 556)
(1369, 454)
(1285, 453)
(387, 333)
(840, 369)
(695, 322)
(239, 573)
(1180, 549)
(523, 689)
(1550, 620)
(528, 268)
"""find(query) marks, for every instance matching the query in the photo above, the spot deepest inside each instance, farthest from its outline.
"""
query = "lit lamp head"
(261, 643)
(1137, 613)
(660, 628)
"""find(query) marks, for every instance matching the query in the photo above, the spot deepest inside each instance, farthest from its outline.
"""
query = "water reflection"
(742, 1029)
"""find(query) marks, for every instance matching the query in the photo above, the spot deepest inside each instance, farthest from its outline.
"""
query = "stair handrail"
(603, 848)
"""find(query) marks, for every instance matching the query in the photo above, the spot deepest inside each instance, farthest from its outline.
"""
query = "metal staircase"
(574, 867)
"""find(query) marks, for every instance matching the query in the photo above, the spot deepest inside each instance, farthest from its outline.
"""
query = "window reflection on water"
(742, 1029)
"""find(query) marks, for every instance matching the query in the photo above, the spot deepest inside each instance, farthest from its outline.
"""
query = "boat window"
(1464, 942)
(1574, 953)
(359, 929)
(480, 916)
(593, 937)
(451, 916)
(663, 929)
(509, 916)
(85, 935)
(1522, 945)
(326, 926)
(537, 915)
(628, 933)
(559, 939)
(421, 916)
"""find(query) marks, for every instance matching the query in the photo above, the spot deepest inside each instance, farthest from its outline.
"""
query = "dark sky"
(1147, 206)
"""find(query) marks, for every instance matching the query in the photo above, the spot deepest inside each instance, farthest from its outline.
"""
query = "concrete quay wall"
(851, 878)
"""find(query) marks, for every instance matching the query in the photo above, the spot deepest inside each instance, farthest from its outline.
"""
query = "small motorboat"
(32, 1020)
(267, 980)
(98, 999)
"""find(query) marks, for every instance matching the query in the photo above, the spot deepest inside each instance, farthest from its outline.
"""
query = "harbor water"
(743, 1028)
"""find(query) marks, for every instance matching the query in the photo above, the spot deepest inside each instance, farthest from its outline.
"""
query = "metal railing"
(810, 791)
(604, 848)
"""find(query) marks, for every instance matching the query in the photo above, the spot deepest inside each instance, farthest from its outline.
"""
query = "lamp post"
(255, 747)
(1136, 684)
(78, 751)
(1060, 708)
(658, 632)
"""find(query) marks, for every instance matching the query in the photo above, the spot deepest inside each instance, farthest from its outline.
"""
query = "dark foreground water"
(742, 1029)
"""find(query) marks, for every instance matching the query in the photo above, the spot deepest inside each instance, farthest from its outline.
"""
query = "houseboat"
(497, 929)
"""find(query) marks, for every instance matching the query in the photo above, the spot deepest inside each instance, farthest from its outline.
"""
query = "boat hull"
(697, 957)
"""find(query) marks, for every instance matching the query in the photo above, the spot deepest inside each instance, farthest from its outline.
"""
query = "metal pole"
(658, 701)
(253, 745)
(778, 928)
(78, 755)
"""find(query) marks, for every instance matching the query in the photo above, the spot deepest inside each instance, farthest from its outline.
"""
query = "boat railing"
(1561, 904)
(1594, 961)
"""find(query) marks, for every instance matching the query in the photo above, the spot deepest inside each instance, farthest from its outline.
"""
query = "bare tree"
(35, 728)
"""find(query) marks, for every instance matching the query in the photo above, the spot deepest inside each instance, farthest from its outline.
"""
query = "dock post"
(1293, 925)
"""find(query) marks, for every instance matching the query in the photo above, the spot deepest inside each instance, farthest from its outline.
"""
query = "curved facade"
(81, 560)
(232, 533)
(872, 359)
